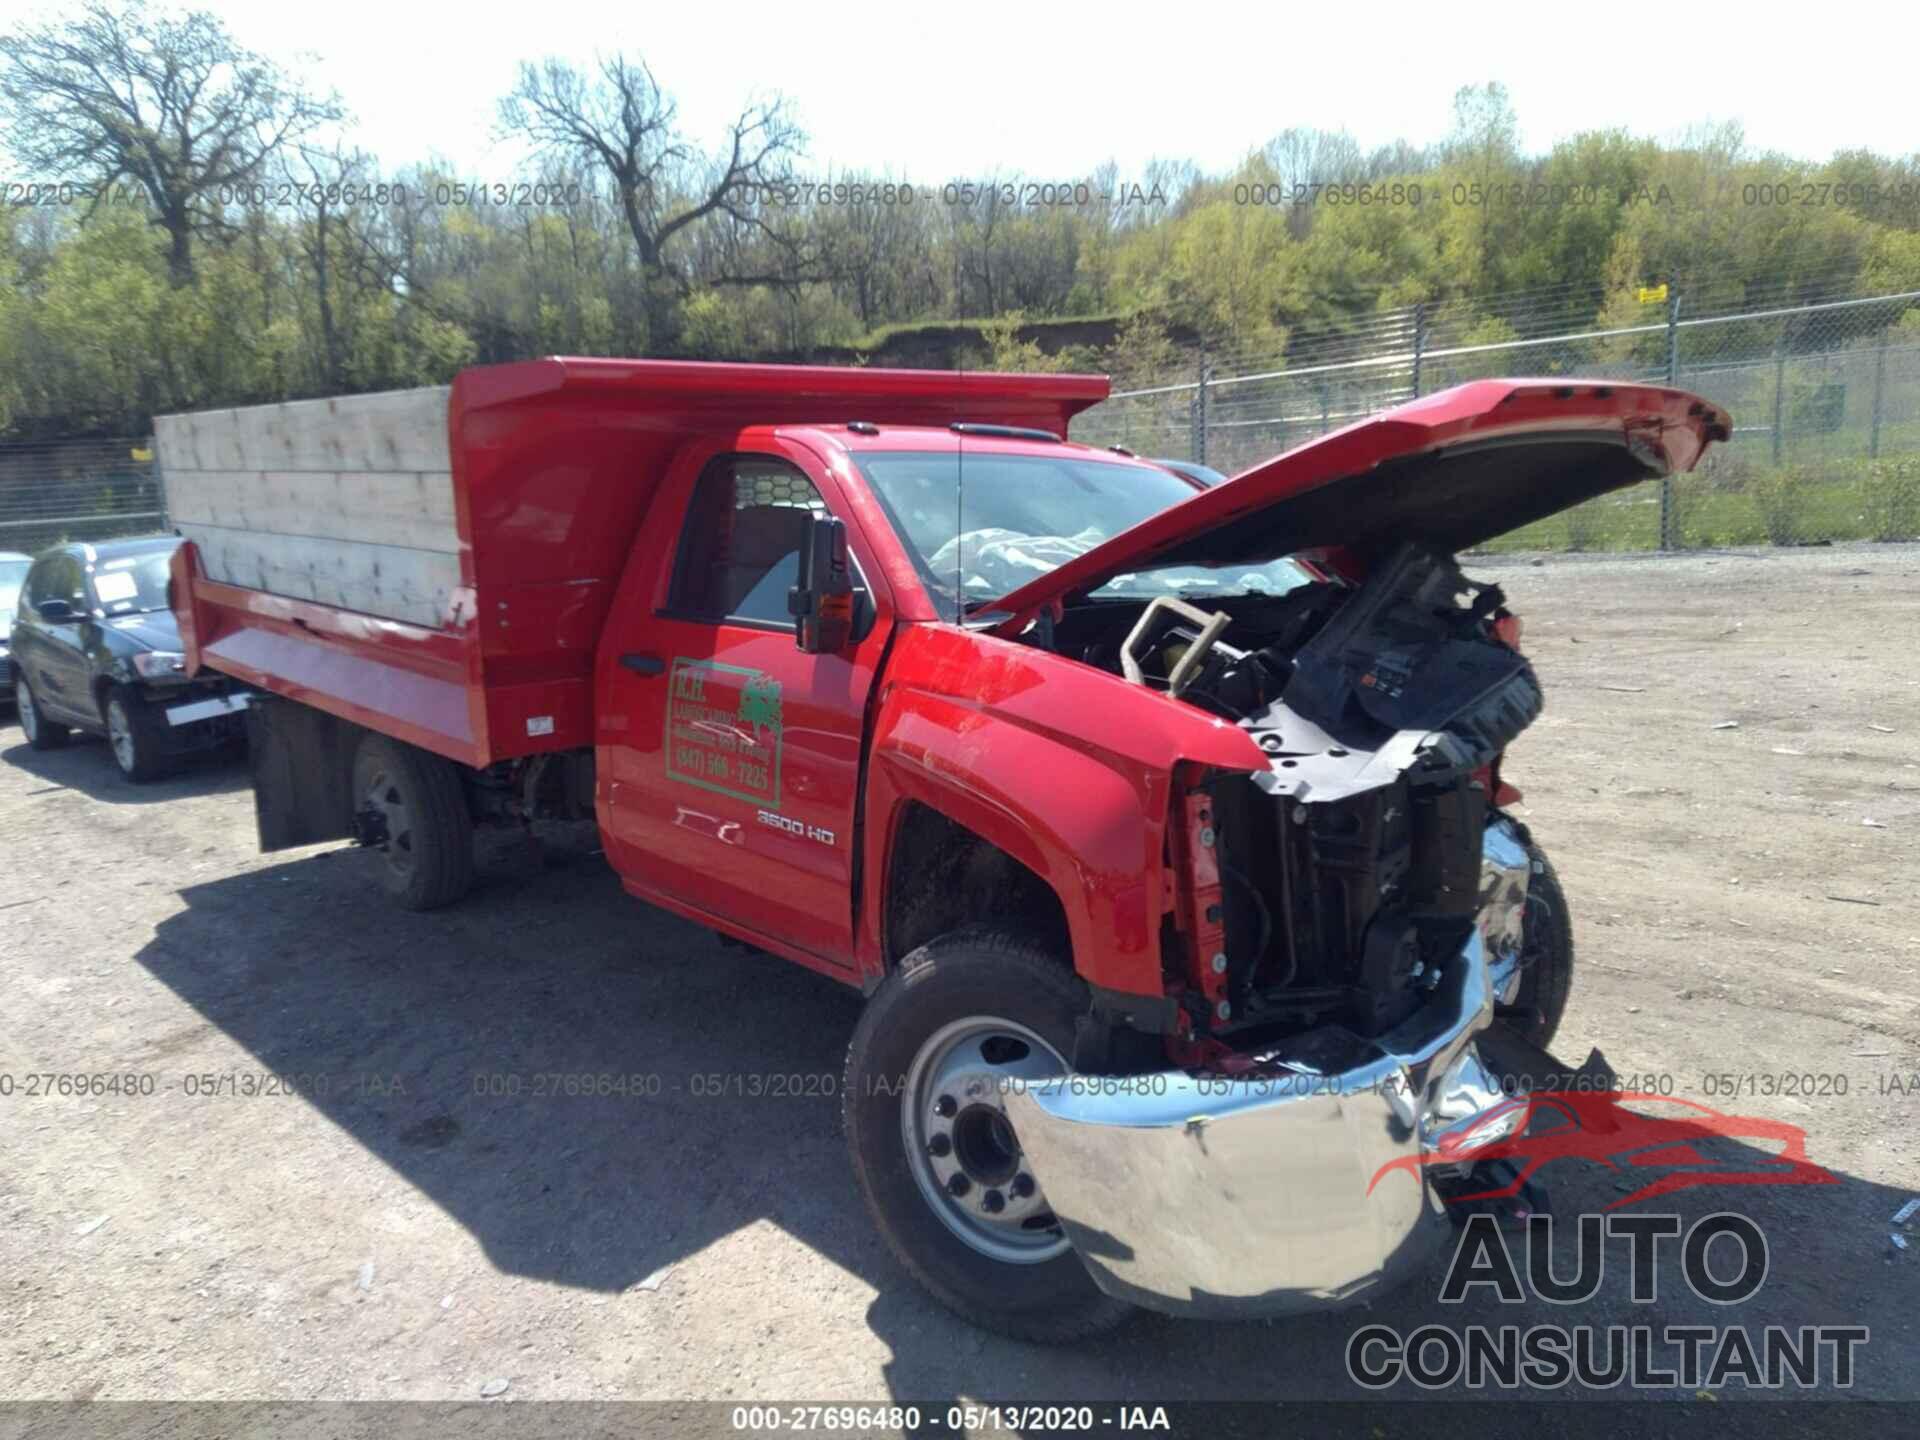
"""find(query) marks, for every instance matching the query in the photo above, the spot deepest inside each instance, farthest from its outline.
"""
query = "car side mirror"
(57, 612)
(822, 602)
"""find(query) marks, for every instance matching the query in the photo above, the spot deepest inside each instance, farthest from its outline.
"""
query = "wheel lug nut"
(940, 1146)
(945, 1107)
(1022, 1186)
(959, 1185)
(994, 1202)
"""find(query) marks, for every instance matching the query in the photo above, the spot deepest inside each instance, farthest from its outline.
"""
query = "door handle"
(643, 664)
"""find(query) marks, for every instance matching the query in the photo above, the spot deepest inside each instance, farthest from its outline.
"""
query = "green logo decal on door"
(723, 730)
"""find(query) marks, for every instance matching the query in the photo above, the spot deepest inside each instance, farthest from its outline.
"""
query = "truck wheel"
(133, 733)
(41, 733)
(410, 807)
(940, 1167)
(1546, 957)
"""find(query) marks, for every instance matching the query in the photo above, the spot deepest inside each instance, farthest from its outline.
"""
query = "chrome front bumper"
(1239, 1197)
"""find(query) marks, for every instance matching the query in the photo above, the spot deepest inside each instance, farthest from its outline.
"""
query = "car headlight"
(160, 664)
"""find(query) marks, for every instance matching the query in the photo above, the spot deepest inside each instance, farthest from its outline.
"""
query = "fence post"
(1668, 540)
(1879, 392)
(1199, 425)
(1779, 391)
(1419, 343)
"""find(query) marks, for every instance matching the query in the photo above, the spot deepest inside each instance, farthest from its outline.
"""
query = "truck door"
(729, 761)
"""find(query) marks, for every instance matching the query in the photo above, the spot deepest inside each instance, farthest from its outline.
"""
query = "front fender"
(1064, 767)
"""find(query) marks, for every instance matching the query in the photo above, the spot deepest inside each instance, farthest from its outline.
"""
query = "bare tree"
(173, 105)
(325, 182)
(619, 120)
(1302, 155)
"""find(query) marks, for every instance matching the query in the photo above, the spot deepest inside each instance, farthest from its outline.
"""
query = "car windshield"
(13, 574)
(1017, 517)
(132, 584)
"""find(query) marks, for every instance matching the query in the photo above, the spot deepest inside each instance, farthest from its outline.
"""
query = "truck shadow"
(465, 1049)
(84, 764)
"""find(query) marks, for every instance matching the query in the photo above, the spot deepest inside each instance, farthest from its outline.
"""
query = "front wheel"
(41, 733)
(411, 808)
(1546, 957)
(133, 733)
(962, 1019)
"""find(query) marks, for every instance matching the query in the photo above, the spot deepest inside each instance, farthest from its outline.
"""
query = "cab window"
(740, 550)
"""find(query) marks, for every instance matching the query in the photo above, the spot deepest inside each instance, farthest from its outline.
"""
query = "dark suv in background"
(95, 648)
(13, 574)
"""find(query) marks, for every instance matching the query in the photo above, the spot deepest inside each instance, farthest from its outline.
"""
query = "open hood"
(1450, 470)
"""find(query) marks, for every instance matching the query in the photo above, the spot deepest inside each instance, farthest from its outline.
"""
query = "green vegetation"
(149, 276)
(1729, 501)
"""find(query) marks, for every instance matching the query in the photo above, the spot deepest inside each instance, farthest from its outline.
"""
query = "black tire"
(425, 860)
(981, 971)
(134, 735)
(41, 733)
(1546, 958)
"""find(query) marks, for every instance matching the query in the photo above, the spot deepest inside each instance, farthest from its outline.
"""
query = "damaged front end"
(1350, 869)
(1348, 920)
(1234, 1196)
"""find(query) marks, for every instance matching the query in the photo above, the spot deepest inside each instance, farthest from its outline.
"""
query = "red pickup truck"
(1162, 825)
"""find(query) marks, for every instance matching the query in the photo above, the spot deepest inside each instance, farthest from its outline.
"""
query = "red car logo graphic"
(1536, 1129)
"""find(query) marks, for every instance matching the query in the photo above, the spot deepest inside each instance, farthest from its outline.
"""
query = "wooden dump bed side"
(345, 502)
(437, 564)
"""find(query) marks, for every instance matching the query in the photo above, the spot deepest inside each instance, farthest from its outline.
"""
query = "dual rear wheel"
(411, 810)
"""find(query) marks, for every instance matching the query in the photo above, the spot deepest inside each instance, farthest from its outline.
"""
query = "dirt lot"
(1728, 777)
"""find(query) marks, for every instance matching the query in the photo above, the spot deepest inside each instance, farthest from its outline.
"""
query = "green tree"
(175, 107)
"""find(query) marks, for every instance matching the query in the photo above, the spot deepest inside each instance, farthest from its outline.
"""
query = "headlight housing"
(160, 664)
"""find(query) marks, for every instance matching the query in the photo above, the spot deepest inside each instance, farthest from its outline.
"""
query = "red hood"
(1452, 470)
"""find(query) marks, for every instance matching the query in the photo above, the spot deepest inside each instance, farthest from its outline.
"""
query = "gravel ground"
(1727, 776)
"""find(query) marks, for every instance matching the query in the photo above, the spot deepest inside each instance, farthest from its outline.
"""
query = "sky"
(1051, 92)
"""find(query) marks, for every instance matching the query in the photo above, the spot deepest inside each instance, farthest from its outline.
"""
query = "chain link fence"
(1824, 394)
(57, 490)
(1823, 387)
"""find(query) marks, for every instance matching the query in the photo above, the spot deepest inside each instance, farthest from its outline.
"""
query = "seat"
(761, 560)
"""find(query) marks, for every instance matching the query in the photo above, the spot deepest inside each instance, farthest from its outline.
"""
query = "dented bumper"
(1244, 1197)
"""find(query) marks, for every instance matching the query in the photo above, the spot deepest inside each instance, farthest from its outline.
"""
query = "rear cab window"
(739, 551)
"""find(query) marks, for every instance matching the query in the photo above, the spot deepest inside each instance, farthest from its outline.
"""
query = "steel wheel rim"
(120, 734)
(383, 794)
(29, 717)
(953, 1122)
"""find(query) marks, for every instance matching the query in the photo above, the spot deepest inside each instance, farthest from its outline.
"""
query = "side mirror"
(822, 603)
(57, 612)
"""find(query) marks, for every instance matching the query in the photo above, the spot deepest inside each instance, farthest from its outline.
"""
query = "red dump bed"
(436, 564)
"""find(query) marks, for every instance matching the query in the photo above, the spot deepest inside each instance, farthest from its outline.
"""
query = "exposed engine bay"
(1352, 867)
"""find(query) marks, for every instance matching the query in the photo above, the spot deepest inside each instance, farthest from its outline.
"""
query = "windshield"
(132, 584)
(1020, 516)
(13, 574)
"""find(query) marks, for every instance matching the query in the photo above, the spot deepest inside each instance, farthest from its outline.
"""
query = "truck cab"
(1162, 825)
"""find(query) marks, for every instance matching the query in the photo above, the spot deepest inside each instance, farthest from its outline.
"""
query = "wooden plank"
(390, 581)
(398, 430)
(413, 508)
